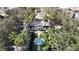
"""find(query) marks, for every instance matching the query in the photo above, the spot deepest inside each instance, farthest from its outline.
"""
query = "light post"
(39, 41)
(38, 33)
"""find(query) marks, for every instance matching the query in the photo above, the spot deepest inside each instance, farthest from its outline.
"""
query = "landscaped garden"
(55, 28)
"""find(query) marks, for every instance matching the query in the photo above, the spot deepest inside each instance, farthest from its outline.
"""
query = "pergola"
(38, 24)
